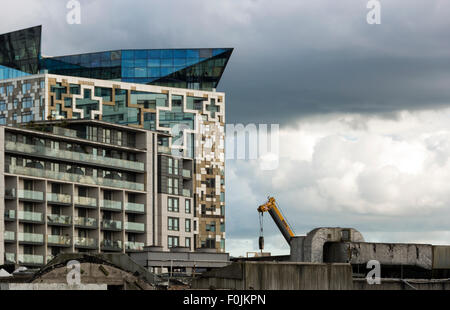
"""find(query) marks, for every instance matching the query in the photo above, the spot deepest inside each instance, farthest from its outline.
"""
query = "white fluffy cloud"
(378, 175)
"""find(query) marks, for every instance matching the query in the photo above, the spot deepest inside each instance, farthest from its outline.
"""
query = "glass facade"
(20, 52)
(184, 68)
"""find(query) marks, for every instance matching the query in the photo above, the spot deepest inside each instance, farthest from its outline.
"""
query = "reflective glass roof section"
(20, 50)
(199, 68)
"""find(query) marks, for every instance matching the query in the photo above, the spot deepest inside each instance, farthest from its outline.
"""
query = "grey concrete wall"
(278, 276)
(386, 253)
(309, 248)
(441, 257)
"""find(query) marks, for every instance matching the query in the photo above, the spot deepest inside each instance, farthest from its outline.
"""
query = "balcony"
(71, 177)
(164, 149)
(65, 132)
(10, 193)
(30, 216)
(186, 173)
(135, 207)
(31, 259)
(112, 245)
(111, 225)
(85, 222)
(59, 240)
(134, 246)
(55, 219)
(85, 201)
(9, 236)
(59, 198)
(74, 156)
(31, 238)
(135, 226)
(10, 257)
(186, 192)
(85, 242)
(31, 195)
(10, 215)
(111, 205)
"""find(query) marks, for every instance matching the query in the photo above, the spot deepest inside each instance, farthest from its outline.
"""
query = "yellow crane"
(277, 216)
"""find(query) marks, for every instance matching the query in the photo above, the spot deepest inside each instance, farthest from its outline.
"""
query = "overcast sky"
(363, 109)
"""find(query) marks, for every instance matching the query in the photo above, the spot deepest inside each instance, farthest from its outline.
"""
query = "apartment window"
(27, 117)
(222, 227)
(15, 103)
(14, 116)
(172, 241)
(172, 204)
(187, 206)
(9, 90)
(173, 224)
(187, 242)
(27, 103)
(187, 225)
(2, 105)
(172, 186)
(222, 243)
(211, 227)
(209, 243)
(175, 168)
(26, 87)
(2, 120)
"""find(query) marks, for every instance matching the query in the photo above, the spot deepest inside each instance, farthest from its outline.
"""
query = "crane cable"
(261, 229)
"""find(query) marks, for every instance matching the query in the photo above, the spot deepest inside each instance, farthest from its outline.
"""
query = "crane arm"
(271, 207)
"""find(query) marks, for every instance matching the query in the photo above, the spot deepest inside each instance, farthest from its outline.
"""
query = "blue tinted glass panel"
(191, 61)
(128, 63)
(166, 71)
(106, 56)
(154, 62)
(192, 54)
(154, 53)
(128, 54)
(179, 53)
(166, 53)
(179, 61)
(140, 72)
(217, 51)
(167, 62)
(140, 54)
(127, 72)
(140, 62)
(154, 72)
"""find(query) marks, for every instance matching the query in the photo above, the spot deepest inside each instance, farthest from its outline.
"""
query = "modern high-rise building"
(165, 99)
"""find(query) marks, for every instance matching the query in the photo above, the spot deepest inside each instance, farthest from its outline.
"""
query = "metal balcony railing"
(85, 221)
(61, 198)
(30, 237)
(28, 194)
(137, 207)
(59, 219)
(30, 216)
(31, 259)
(134, 226)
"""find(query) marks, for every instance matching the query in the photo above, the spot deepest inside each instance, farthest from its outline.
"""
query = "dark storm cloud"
(291, 59)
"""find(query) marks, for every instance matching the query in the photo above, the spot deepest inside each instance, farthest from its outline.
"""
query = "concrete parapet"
(277, 276)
